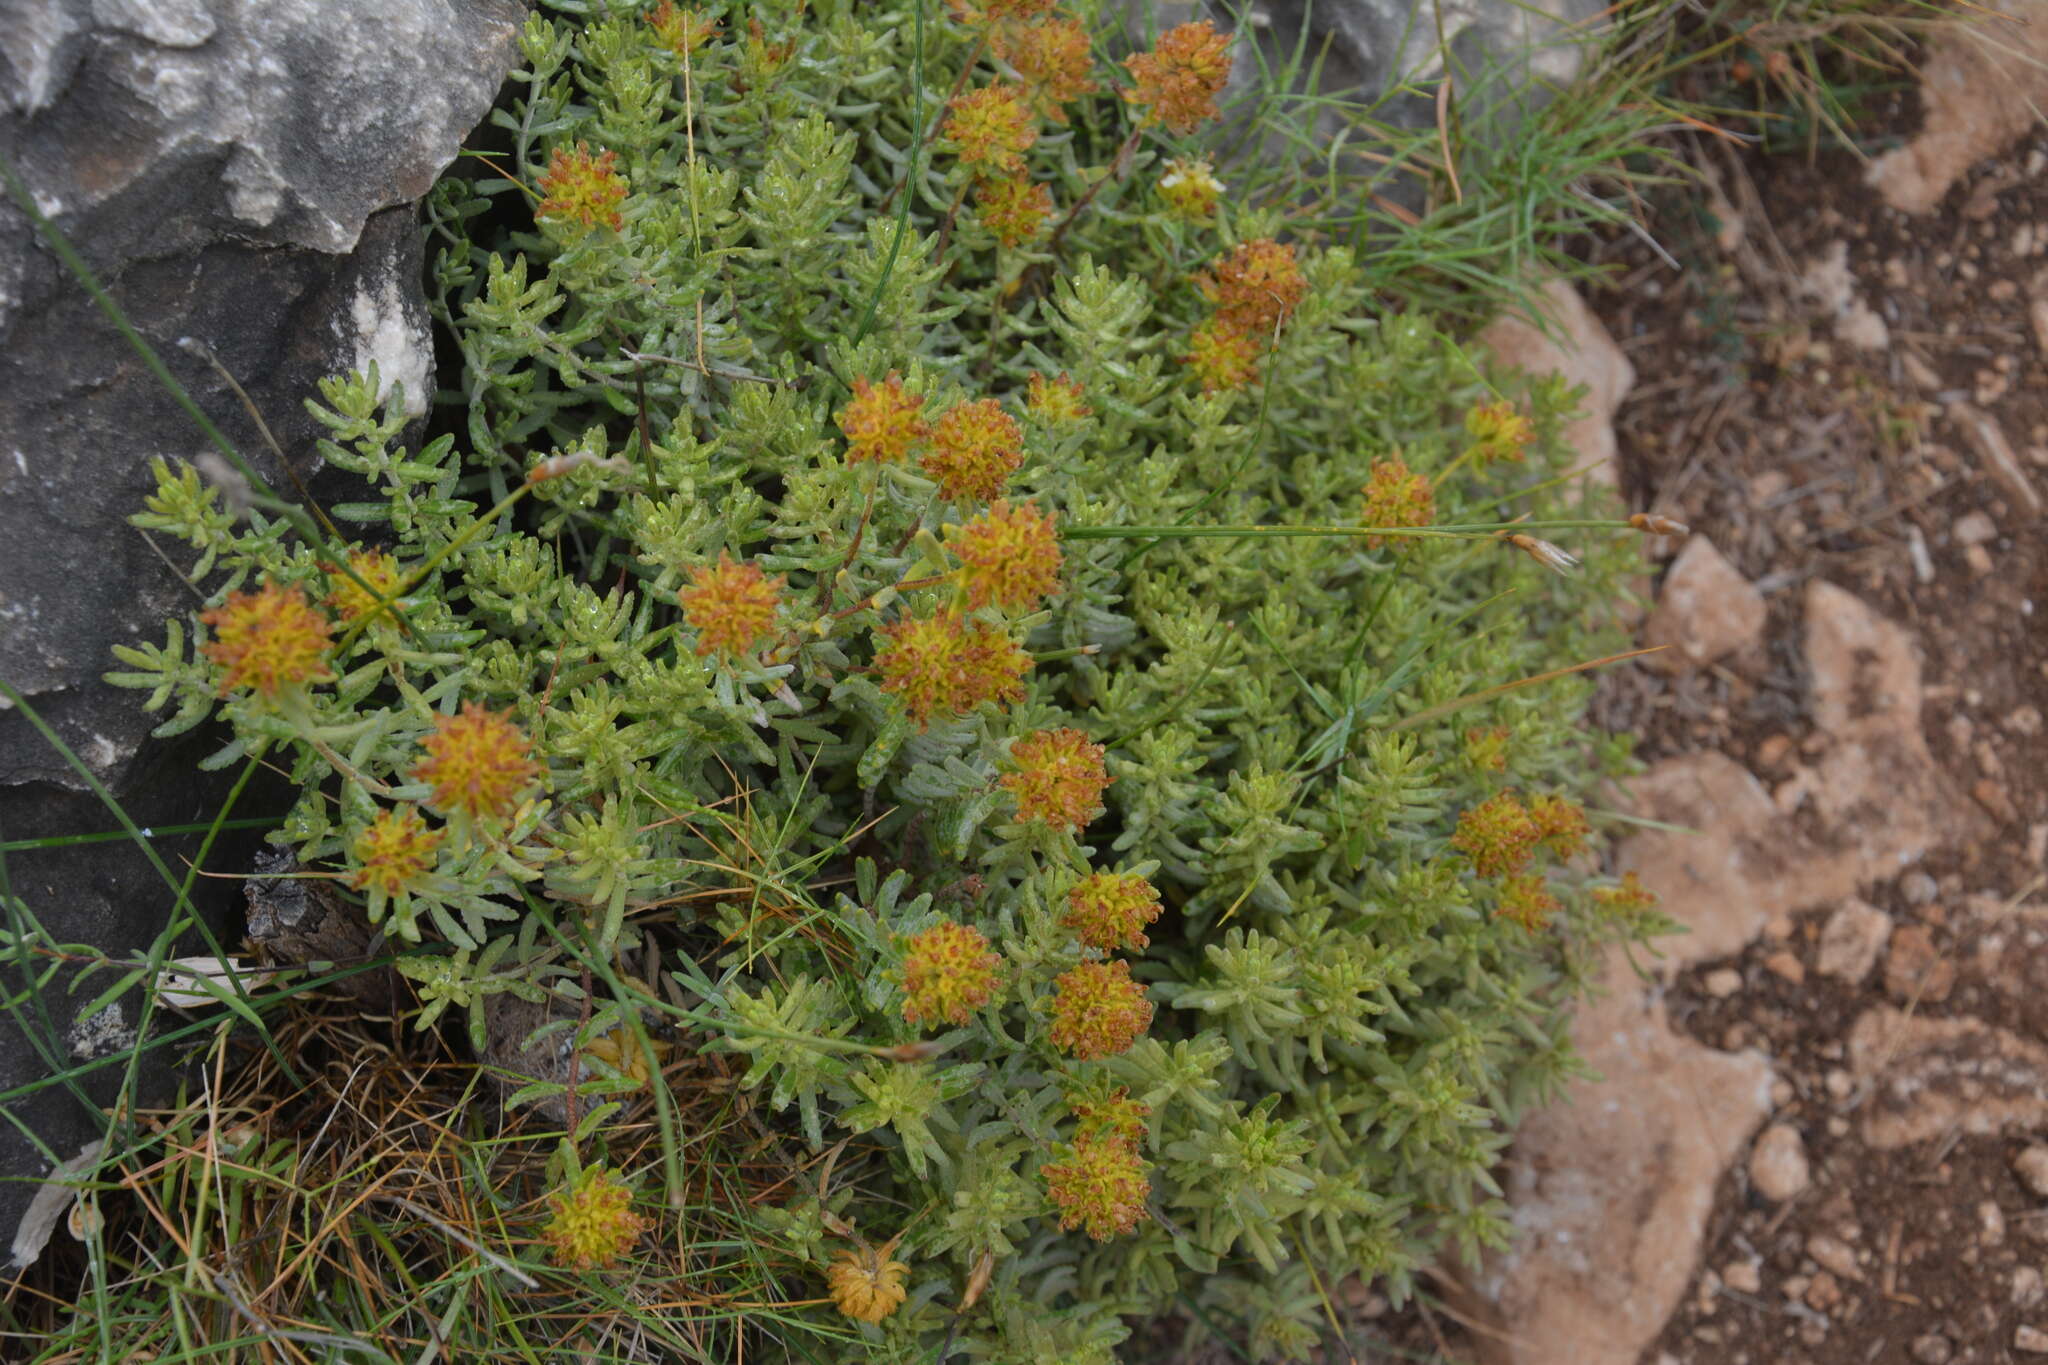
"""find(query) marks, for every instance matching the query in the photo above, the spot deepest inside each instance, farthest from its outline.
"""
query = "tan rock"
(1612, 1187)
(1778, 1168)
(1852, 939)
(1927, 1077)
(1578, 348)
(1980, 84)
(2031, 1166)
(1706, 609)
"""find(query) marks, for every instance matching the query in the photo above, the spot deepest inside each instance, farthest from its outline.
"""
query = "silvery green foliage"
(1346, 1032)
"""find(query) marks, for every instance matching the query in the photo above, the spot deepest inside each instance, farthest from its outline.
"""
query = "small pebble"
(1973, 528)
(1742, 1276)
(2032, 1340)
(1778, 1168)
(1723, 982)
(2031, 1166)
(1933, 1349)
(1824, 1294)
(1835, 1255)
(1990, 1223)
(1786, 965)
(2026, 1287)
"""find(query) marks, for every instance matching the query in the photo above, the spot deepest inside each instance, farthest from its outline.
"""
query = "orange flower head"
(1526, 900)
(477, 763)
(1012, 207)
(267, 640)
(865, 1284)
(1223, 356)
(1097, 1010)
(1008, 556)
(948, 972)
(1060, 778)
(1396, 495)
(394, 851)
(1257, 286)
(1560, 825)
(1500, 432)
(580, 191)
(1056, 402)
(991, 129)
(976, 447)
(1100, 1188)
(1190, 188)
(376, 569)
(1110, 910)
(991, 11)
(1177, 82)
(593, 1223)
(682, 31)
(1053, 58)
(1497, 835)
(1118, 1117)
(1487, 749)
(731, 606)
(882, 424)
(948, 665)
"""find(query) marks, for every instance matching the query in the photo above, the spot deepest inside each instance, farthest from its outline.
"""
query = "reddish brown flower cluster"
(731, 606)
(1255, 289)
(882, 423)
(1059, 780)
(267, 640)
(1008, 556)
(991, 129)
(1100, 1187)
(1098, 1011)
(976, 447)
(948, 972)
(1501, 836)
(477, 763)
(581, 191)
(1526, 900)
(1396, 495)
(1012, 207)
(1056, 402)
(1497, 835)
(1053, 58)
(1109, 910)
(1178, 81)
(949, 664)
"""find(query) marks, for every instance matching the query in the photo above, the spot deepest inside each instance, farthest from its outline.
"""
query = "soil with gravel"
(1879, 425)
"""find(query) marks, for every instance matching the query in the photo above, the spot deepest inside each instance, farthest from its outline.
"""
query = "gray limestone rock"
(241, 172)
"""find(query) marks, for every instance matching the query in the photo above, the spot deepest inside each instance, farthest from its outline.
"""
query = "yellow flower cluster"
(267, 640)
(477, 763)
(581, 191)
(949, 664)
(948, 972)
(731, 606)
(1009, 556)
(1178, 81)
(1059, 780)
(593, 1223)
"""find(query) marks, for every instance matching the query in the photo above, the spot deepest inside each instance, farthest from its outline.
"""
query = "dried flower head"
(1560, 825)
(680, 30)
(1526, 900)
(378, 570)
(1100, 1188)
(1178, 81)
(1053, 58)
(593, 1223)
(580, 191)
(1396, 495)
(1555, 558)
(267, 640)
(1008, 556)
(1056, 402)
(948, 665)
(976, 447)
(1115, 1116)
(1497, 835)
(1097, 1010)
(1224, 357)
(991, 129)
(730, 606)
(882, 424)
(948, 971)
(866, 1285)
(393, 852)
(1500, 432)
(1060, 778)
(1109, 910)
(1657, 524)
(1190, 188)
(1012, 207)
(1257, 286)
(477, 763)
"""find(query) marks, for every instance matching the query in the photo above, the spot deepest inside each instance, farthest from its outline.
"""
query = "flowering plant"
(1000, 621)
